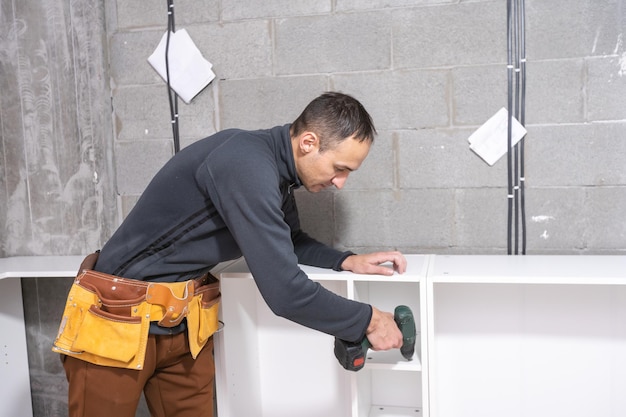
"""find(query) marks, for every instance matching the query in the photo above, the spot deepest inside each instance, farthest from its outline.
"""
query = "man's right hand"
(383, 332)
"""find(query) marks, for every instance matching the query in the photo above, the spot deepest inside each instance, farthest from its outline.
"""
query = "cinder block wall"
(430, 72)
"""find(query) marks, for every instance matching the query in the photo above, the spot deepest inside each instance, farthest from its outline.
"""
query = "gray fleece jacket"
(222, 197)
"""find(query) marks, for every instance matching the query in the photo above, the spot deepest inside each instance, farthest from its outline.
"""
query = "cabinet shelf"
(392, 360)
(385, 411)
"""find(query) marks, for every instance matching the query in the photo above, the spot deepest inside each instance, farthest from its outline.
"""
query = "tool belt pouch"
(203, 317)
(108, 330)
(106, 319)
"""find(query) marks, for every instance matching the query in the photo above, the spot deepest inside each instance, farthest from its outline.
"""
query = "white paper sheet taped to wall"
(490, 140)
(189, 71)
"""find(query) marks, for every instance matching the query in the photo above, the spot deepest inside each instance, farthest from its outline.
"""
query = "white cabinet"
(270, 367)
(539, 336)
(15, 395)
(499, 335)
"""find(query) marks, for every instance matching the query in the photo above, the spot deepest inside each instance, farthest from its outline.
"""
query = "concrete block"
(400, 99)
(197, 120)
(606, 88)
(266, 102)
(32, 316)
(349, 5)
(604, 211)
(49, 392)
(555, 219)
(576, 155)
(478, 92)
(237, 49)
(333, 43)
(137, 162)
(555, 91)
(316, 214)
(254, 9)
(416, 218)
(377, 171)
(558, 220)
(136, 14)
(127, 203)
(572, 28)
(460, 250)
(441, 158)
(593, 251)
(43, 320)
(143, 112)
(481, 219)
(129, 57)
(449, 35)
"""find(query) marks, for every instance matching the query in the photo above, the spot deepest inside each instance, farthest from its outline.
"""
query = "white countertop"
(40, 266)
(529, 269)
(417, 266)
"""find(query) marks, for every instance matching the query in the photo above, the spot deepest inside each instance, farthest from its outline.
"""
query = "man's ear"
(308, 142)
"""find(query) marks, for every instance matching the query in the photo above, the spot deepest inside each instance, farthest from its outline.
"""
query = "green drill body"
(352, 355)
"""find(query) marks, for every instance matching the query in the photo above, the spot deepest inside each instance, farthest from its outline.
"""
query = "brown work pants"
(174, 384)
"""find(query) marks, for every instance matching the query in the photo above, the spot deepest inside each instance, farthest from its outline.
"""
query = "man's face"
(318, 170)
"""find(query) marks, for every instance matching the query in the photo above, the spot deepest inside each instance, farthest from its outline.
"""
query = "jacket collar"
(286, 162)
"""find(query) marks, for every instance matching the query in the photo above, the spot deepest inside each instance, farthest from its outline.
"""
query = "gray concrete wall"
(56, 176)
(55, 127)
(429, 71)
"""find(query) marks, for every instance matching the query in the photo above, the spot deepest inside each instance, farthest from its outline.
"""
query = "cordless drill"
(351, 355)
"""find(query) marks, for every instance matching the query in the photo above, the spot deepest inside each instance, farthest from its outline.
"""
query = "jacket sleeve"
(245, 189)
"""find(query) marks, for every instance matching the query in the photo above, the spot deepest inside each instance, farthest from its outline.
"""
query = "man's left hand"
(371, 263)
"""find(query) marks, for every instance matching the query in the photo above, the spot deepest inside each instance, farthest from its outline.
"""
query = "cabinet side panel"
(15, 384)
(238, 384)
(300, 374)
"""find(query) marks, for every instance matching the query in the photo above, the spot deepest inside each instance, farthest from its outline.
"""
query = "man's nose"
(339, 181)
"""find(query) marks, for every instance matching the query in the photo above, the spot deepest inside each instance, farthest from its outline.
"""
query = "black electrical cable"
(516, 112)
(522, 24)
(173, 97)
(509, 14)
(516, 64)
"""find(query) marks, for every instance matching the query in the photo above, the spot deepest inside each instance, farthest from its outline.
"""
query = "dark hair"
(335, 117)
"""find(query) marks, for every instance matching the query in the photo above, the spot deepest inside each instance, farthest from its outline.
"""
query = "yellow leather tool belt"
(107, 318)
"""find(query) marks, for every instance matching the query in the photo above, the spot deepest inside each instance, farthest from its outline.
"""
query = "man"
(222, 197)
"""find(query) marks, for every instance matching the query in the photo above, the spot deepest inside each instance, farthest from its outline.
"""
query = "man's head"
(335, 117)
(331, 138)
